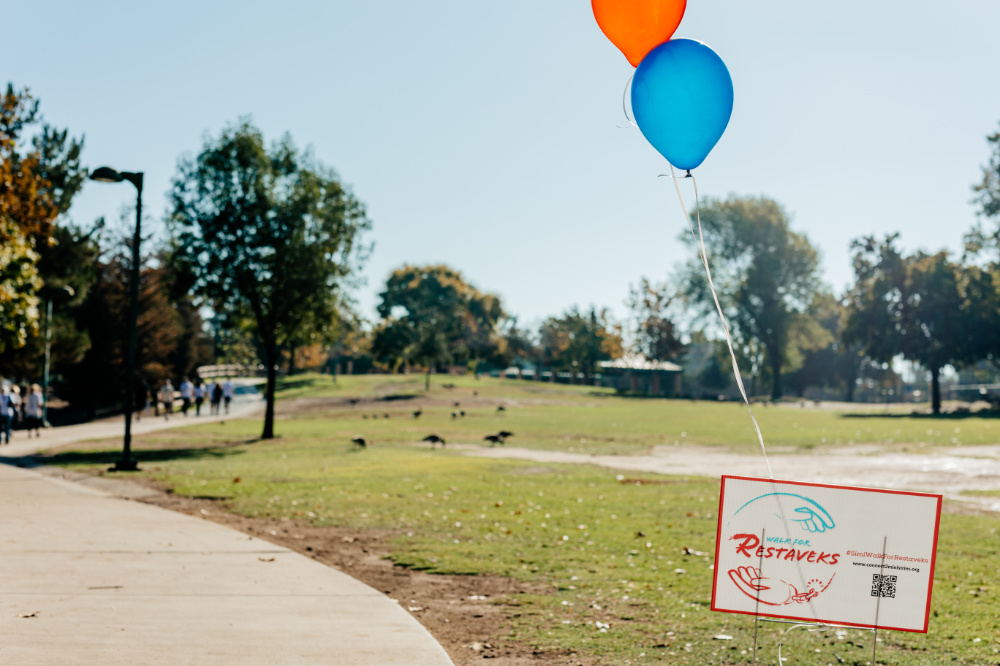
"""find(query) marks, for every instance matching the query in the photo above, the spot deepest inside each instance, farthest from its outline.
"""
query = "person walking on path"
(167, 398)
(227, 393)
(17, 407)
(33, 411)
(215, 395)
(6, 414)
(199, 397)
(187, 395)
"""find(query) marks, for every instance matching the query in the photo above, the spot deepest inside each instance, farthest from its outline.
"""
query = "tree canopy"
(766, 275)
(655, 335)
(432, 315)
(36, 185)
(913, 305)
(577, 341)
(270, 236)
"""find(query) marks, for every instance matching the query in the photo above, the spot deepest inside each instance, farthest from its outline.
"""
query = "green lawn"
(635, 558)
(589, 420)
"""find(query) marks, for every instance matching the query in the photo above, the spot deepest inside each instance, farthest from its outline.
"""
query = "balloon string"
(628, 118)
(700, 239)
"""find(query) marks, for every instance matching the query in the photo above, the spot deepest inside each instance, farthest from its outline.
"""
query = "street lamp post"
(50, 294)
(109, 175)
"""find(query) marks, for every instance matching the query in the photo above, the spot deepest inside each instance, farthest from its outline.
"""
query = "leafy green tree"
(988, 189)
(19, 283)
(432, 315)
(766, 275)
(820, 358)
(654, 333)
(518, 348)
(577, 341)
(981, 262)
(270, 235)
(36, 185)
(875, 301)
(717, 372)
(69, 260)
(934, 318)
(917, 306)
(981, 321)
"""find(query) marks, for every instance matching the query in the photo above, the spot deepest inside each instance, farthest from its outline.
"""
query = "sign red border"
(718, 544)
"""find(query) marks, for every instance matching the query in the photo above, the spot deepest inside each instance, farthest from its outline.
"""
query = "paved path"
(88, 578)
(245, 403)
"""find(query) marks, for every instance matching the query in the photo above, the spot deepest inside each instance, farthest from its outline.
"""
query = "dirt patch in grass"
(468, 615)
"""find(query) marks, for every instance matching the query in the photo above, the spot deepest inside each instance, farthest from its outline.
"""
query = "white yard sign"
(814, 552)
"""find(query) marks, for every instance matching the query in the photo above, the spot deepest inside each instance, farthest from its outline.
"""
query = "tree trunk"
(291, 360)
(776, 391)
(427, 378)
(936, 390)
(271, 358)
(851, 384)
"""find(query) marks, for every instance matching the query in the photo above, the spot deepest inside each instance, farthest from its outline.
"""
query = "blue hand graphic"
(814, 517)
(813, 521)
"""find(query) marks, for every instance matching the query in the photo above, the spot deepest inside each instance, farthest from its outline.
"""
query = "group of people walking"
(218, 394)
(16, 410)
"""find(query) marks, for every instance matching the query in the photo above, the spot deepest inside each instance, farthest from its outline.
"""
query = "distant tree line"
(790, 330)
(265, 242)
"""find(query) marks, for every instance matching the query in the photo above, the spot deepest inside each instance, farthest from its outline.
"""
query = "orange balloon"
(636, 27)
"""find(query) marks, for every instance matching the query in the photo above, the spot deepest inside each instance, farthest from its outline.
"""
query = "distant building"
(634, 373)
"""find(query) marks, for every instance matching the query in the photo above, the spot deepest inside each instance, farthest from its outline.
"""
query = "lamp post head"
(106, 175)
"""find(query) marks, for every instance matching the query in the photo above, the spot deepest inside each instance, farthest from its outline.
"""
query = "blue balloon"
(682, 98)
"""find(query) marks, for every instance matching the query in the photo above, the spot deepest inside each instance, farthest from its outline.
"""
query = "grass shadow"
(291, 384)
(948, 416)
(106, 457)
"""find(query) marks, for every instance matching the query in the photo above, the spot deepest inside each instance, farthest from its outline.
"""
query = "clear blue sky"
(483, 135)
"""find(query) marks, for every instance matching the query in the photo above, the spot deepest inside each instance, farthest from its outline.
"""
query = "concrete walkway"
(88, 578)
(246, 402)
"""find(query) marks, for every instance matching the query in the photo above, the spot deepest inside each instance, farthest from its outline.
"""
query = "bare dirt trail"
(947, 472)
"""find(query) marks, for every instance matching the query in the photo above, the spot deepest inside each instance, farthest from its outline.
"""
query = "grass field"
(590, 420)
(628, 566)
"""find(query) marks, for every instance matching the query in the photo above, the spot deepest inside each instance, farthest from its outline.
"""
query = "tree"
(578, 341)
(171, 337)
(917, 306)
(270, 236)
(821, 359)
(35, 187)
(518, 348)
(654, 333)
(69, 260)
(432, 315)
(717, 372)
(766, 275)
(981, 262)
(933, 328)
(988, 190)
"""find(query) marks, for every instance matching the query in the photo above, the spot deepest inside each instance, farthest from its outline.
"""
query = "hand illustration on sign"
(813, 521)
(814, 517)
(773, 591)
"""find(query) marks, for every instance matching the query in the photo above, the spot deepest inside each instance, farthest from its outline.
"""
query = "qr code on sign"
(883, 586)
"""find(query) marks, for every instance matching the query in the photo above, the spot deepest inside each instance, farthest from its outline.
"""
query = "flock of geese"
(432, 439)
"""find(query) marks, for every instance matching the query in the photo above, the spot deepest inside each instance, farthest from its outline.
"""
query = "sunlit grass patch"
(629, 561)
